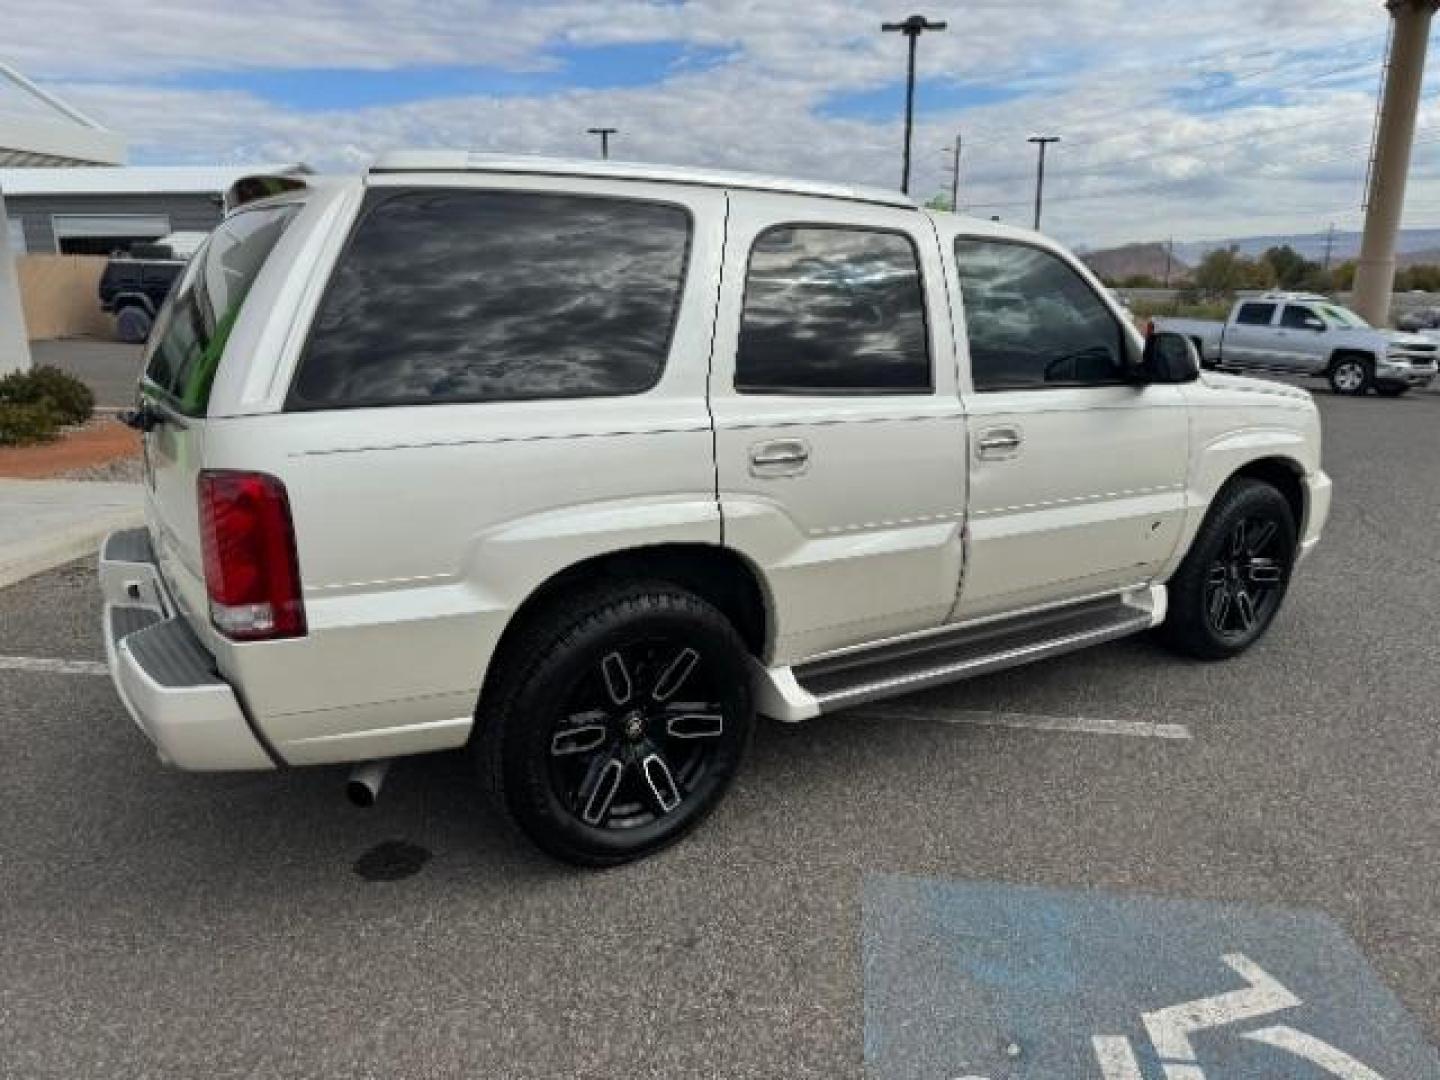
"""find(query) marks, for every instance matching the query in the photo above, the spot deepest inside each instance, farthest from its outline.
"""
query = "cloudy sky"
(1178, 117)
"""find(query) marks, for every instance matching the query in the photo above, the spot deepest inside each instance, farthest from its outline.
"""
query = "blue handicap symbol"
(996, 982)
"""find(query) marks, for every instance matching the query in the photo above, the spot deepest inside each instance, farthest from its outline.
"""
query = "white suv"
(583, 465)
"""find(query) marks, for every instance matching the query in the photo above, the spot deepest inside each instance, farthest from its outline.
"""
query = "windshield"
(193, 326)
(1342, 317)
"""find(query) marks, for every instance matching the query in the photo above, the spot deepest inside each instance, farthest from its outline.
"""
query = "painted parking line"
(1000, 982)
(52, 666)
(1080, 725)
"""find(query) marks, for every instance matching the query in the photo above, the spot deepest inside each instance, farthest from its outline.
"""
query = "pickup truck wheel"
(132, 325)
(1228, 589)
(1351, 375)
(621, 726)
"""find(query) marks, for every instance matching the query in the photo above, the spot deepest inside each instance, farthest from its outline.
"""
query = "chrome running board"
(908, 665)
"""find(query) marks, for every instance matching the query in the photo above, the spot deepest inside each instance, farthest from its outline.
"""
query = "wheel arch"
(1284, 474)
(1348, 351)
(717, 574)
(131, 298)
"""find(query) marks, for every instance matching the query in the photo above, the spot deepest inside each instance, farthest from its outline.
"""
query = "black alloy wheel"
(1242, 589)
(638, 735)
(1230, 585)
(616, 721)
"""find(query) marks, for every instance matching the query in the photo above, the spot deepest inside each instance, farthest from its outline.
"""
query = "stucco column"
(1375, 274)
(14, 345)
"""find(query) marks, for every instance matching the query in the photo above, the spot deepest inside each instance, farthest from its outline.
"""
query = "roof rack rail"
(430, 161)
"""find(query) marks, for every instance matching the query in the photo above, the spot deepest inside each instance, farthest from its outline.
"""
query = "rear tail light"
(251, 572)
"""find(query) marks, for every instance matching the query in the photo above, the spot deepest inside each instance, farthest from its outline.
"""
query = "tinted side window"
(1298, 318)
(1033, 321)
(1255, 314)
(458, 295)
(833, 310)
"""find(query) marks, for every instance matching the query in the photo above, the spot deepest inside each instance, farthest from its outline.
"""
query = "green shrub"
(31, 422)
(68, 397)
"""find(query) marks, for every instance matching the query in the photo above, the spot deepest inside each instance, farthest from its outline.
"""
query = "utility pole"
(1395, 136)
(1329, 245)
(1044, 141)
(912, 28)
(1169, 258)
(955, 179)
(604, 134)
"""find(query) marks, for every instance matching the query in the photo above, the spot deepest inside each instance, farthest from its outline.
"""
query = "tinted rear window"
(1255, 314)
(452, 296)
(193, 326)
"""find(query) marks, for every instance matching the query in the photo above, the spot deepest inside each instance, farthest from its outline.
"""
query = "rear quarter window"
(194, 325)
(447, 295)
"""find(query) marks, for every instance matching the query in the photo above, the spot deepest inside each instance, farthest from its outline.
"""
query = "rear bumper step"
(165, 677)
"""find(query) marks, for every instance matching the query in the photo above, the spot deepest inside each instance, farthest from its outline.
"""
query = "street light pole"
(1043, 141)
(912, 28)
(604, 133)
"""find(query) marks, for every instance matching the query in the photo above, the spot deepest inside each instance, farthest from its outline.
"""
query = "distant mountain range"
(1128, 260)
(1312, 245)
(1413, 246)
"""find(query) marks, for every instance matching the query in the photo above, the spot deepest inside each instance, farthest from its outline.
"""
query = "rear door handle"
(782, 457)
(999, 443)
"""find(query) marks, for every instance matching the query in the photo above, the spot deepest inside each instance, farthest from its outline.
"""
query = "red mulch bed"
(103, 440)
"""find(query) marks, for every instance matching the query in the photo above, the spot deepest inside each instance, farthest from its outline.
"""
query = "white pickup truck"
(1304, 334)
(582, 465)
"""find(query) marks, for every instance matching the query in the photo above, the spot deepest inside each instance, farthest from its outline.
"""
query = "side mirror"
(1315, 324)
(1169, 358)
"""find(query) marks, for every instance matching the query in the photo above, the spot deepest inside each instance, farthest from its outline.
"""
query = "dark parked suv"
(133, 289)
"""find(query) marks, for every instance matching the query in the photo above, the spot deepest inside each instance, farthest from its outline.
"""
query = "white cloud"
(1281, 147)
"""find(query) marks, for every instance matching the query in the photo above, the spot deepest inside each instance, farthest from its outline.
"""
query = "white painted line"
(1170, 1028)
(1080, 725)
(1117, 1058)
(52, 667)
(1336, 1062)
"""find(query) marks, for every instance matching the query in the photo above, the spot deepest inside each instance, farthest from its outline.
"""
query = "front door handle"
(781, 457)
(999, 443)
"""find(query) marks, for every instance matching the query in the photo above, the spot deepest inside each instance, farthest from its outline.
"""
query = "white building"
(45, 133)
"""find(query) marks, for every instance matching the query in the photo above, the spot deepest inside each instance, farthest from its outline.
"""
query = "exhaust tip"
(363, 787)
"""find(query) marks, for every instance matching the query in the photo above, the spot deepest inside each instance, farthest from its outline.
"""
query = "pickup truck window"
(1255, 314)
(1033, 322)
(1295, 317)
(1343, 317)
(832, 310)
(447, 296)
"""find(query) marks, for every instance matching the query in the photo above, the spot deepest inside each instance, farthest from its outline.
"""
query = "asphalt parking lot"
(1159, 816)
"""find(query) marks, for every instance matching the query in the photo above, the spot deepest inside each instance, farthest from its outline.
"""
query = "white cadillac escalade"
(581, 466)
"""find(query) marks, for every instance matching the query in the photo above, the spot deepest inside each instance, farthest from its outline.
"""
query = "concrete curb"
(66, 521)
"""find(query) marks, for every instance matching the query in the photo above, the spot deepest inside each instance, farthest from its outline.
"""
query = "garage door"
(79, 234)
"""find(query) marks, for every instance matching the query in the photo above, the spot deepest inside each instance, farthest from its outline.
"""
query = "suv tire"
(132, 324)
(1231, 584)
(616, 723)
(1352, 375)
